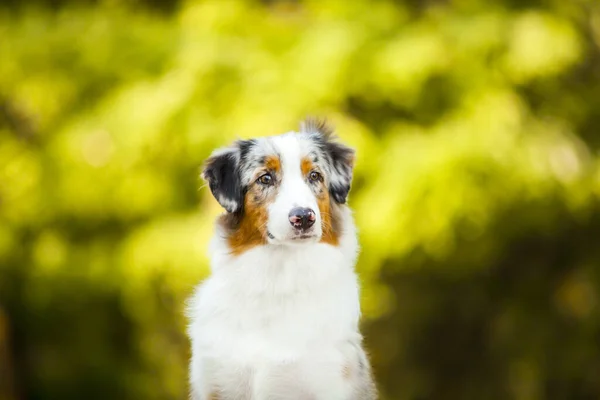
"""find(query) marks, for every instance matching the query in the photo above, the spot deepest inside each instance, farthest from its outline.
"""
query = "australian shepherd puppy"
(278, 316)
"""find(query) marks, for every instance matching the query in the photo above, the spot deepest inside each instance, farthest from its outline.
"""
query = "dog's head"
(284, 189)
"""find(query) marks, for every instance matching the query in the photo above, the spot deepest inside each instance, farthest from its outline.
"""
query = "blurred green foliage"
(476, 193)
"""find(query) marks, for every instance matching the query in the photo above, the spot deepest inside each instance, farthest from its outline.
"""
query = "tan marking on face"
(213, 396)
(252, 228)
(329, 220)
(306, 165)
(272, 163)
(249, 229)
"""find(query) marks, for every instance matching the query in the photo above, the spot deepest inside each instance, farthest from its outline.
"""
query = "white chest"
(275, 312)
(278, 328)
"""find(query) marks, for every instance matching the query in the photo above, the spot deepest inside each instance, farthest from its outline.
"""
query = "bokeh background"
(476, 192)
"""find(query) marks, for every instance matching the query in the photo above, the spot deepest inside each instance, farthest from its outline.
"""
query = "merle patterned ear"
(342, 164)
(222, 172)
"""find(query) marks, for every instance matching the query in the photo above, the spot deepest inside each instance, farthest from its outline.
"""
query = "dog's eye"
(265, 179)
(314, 176)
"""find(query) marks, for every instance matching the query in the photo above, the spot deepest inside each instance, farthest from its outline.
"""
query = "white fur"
(280, 321)
(294, 191)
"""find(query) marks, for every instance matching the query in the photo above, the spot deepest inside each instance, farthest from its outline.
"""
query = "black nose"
(302, 218)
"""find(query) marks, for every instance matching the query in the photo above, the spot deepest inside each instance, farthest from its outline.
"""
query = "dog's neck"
(286, 268)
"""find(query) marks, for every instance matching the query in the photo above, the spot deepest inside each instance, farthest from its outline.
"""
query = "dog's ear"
(342, 165)
(222, 172)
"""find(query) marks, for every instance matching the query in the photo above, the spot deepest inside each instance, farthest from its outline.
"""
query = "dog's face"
(283, 189)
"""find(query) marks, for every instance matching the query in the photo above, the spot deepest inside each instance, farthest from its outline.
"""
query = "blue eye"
(265, 179)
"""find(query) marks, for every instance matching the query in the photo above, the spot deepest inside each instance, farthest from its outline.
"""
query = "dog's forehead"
(289, 147)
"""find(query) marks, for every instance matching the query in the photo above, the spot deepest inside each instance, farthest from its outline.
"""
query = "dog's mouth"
(299, 237)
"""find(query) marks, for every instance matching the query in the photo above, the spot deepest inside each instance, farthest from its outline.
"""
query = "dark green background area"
(476, 189)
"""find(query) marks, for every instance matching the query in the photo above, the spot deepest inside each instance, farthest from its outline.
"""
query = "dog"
(278, 316)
